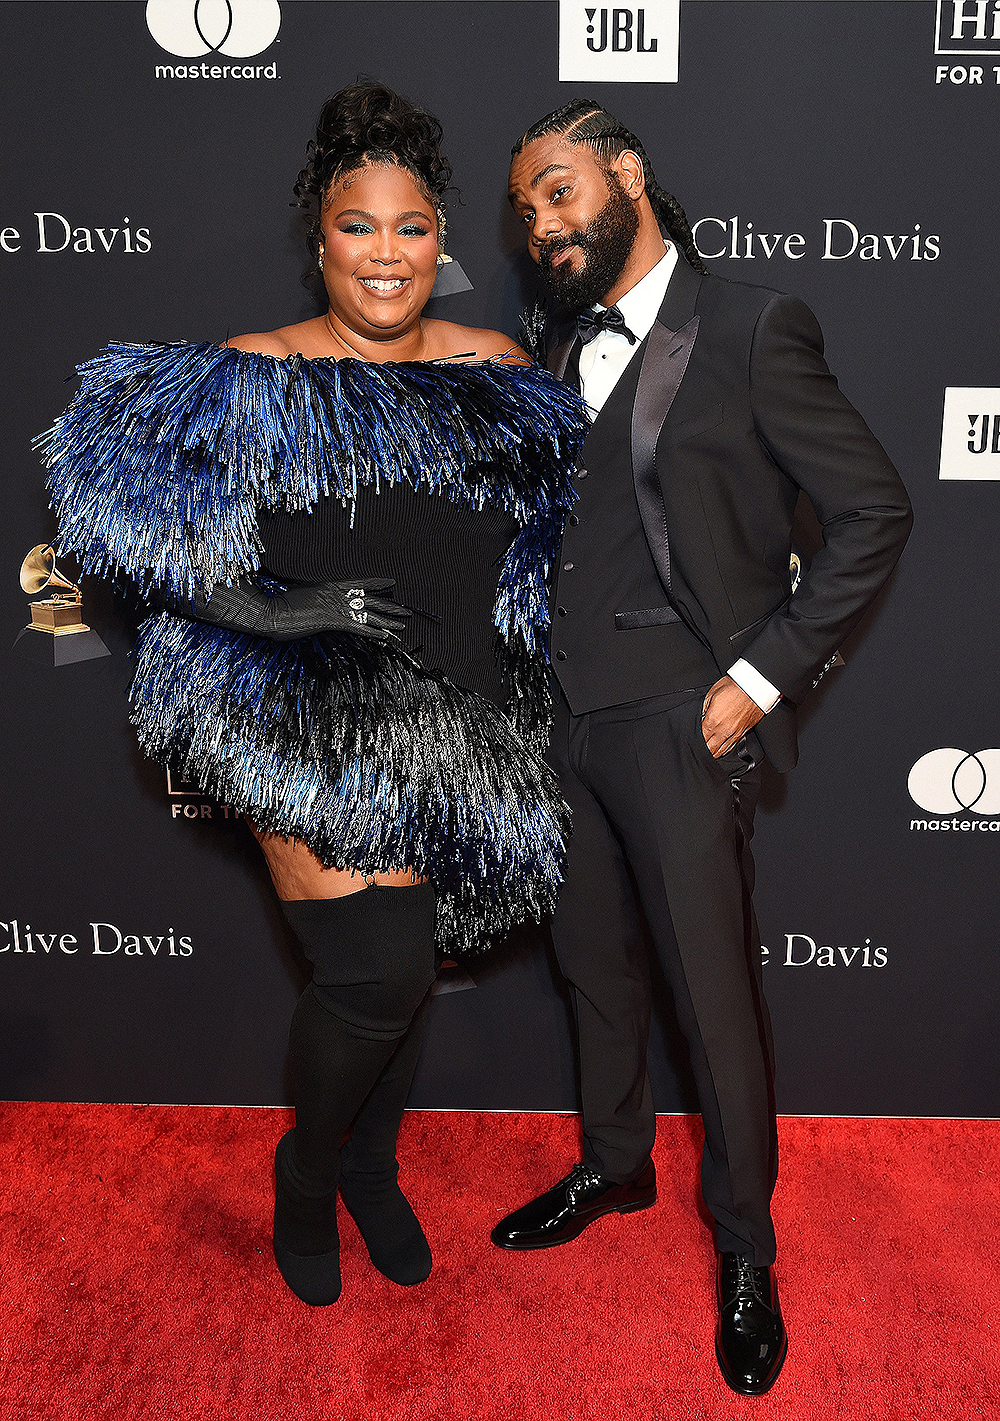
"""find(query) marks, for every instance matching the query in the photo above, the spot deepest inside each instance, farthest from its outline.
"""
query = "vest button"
(561, 611)
(574, 522)
(568, 566)
(581, 473)
(560, 656)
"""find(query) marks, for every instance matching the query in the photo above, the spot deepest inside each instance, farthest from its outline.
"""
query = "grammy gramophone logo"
(57, 634)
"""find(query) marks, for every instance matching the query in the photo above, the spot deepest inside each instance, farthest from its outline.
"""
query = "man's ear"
(628, 166)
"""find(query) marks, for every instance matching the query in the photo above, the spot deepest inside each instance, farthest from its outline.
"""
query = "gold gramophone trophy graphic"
(57, 634)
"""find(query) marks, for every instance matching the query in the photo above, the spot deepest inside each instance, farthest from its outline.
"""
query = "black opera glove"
(357, 606)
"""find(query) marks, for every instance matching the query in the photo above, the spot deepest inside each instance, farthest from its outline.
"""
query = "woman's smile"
(385, 286)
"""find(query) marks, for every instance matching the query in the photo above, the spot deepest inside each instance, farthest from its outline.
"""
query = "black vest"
(614, 638)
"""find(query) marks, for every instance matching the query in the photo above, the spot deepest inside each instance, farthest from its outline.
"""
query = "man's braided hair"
(585, 121)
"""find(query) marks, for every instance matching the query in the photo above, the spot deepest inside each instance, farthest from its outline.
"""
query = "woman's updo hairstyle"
(363, 123)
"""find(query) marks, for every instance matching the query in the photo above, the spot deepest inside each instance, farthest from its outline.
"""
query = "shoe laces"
(747, 1282)
(581, 1177)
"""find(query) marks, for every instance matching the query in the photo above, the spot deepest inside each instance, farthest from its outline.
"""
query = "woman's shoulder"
(259, 343)
(297, 339)
(451, 340)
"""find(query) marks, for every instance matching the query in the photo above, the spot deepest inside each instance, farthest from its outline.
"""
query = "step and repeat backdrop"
(845, 152)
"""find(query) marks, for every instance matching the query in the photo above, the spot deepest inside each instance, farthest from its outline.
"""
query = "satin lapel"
(663, 366)
(559, 356)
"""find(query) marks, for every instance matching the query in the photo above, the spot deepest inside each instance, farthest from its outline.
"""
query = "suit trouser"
(662, 831)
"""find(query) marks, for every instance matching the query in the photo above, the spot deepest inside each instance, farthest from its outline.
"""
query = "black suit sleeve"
(818, 440)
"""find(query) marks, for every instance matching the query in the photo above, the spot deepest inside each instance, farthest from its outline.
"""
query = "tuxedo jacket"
(735, 413)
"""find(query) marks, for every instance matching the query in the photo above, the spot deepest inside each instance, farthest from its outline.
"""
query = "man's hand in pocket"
(727, 715)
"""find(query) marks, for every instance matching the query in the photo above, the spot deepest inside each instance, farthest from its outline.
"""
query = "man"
(681, 653)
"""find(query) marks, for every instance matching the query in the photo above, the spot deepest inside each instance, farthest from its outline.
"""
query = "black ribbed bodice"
(445, 558)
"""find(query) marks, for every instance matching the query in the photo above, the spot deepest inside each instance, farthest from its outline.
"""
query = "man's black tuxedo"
(675, 564)
(735, 412)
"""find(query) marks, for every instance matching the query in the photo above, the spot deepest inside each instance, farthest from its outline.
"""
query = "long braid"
(673, 219)
(585, 121)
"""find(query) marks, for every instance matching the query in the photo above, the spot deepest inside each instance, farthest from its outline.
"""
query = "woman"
(281, 496)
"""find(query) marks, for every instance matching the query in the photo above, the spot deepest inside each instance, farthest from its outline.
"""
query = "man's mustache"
(555, 245)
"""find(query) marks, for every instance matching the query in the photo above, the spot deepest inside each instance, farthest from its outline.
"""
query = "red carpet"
(138, 1281)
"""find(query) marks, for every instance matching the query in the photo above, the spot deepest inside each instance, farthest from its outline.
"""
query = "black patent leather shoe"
(750, 1341)
(563, 1212)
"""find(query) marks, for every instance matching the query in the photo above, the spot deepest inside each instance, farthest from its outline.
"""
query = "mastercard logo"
(191, 28)
(945, 781)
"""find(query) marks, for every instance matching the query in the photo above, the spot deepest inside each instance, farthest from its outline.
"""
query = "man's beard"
(606, 243)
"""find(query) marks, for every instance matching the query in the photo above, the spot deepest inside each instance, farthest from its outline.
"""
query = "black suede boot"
(373, 959)
(369, 1186)
(306, 1240)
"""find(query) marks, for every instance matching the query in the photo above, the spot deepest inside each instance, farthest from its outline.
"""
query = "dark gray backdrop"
(785, 115)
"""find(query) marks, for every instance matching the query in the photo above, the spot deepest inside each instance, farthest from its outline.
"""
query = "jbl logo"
(970, 436)
(622, 29)
(980, 437)
(968, 27)
(619, 44)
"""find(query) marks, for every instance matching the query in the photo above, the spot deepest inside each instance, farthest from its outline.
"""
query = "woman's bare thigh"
(297, 873)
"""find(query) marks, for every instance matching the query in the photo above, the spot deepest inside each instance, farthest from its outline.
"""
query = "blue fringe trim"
(158, 471)
(372, 761)
(166, 454)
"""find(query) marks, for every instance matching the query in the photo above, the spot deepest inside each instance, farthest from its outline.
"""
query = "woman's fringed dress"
(182, 466)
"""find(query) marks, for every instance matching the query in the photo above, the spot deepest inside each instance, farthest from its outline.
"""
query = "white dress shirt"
(602, 364)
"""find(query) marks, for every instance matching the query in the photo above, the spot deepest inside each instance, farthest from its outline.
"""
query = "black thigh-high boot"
(373, 963)
(368, 1168)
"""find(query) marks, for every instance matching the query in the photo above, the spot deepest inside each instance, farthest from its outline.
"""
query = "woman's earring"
(319, 261)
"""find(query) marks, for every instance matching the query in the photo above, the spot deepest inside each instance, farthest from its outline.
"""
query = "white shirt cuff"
(757, 687)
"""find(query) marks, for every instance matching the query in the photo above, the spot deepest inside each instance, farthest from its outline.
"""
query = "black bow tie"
(591, 323)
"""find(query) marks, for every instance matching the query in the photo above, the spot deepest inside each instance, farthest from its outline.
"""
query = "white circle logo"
(945, 781)
(191, 28)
